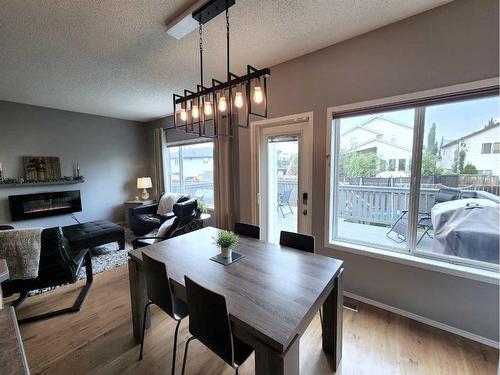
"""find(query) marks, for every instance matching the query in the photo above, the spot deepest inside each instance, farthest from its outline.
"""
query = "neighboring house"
(390, 139)
(197, 163)
(483, 150)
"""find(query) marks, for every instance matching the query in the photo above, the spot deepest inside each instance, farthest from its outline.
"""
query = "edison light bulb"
(208, 108)
(222, 104)
(183, 114)
(194, 112)
(258, 96)
(238, 100)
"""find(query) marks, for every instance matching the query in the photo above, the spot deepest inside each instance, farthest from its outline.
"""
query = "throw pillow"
(164, 228)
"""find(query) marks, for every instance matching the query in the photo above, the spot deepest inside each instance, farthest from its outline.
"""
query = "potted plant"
(201, 207)
(226, 241)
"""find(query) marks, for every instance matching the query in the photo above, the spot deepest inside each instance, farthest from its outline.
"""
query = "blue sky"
(453, 120)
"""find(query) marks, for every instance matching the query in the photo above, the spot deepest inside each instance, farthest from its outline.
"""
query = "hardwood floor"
(98, 340)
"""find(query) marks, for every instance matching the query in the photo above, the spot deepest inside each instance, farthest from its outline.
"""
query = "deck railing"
(206, 189)
(378, 205)
(203, 189)
(383, 205)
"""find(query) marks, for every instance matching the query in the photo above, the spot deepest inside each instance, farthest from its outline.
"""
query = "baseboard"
(421, 319)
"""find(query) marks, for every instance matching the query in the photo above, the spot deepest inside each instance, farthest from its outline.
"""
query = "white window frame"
(458, 266)
(166, 159)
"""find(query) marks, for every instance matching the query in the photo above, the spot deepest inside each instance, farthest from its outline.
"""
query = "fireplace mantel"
(34, 184)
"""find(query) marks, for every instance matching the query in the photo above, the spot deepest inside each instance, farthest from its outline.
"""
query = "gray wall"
(451, 44)
(112, 153)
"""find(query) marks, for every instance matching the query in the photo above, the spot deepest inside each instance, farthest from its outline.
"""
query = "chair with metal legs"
(209, 323)
(160, 293)
(284, 201)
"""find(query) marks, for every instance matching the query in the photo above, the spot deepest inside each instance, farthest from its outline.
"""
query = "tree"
(355, 164)
(441, 146)
(491, 122)
(459, 157)
(432, 145)
(469, 169)
(429, 164)
(293, 167)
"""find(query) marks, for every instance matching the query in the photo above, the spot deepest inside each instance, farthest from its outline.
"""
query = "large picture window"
(423, 180)
(190, 170)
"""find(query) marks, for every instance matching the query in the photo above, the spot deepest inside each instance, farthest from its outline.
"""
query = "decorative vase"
(226, 252)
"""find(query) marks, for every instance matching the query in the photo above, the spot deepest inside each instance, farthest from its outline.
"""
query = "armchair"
(59, 265)
(185, 214)
(145, 219)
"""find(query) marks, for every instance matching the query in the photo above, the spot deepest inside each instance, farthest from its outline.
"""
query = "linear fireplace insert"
(30, 206)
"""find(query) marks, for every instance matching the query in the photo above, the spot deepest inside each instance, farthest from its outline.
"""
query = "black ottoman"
(94, 233)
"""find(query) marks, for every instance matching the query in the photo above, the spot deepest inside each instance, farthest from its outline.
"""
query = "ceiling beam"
(183, 23)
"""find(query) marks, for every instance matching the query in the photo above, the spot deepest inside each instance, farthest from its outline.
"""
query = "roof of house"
(487, 127)
(378, 140)
(386, 119)
(363, 124)
(194, 153)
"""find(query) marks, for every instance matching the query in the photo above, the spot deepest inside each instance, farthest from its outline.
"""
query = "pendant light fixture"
(232, 101)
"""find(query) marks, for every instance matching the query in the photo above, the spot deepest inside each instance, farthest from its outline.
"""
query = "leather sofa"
(144, 219)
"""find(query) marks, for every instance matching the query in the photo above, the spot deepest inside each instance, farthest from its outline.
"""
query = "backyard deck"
(373, 234)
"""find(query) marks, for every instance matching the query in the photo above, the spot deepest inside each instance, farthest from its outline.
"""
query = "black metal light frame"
(203, 15)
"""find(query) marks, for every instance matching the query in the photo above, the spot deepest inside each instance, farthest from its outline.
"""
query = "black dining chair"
(209, 323)
(160, 293)
(247, 230)
(297, 241)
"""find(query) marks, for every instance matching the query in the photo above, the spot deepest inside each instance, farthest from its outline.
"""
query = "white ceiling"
(114, 58)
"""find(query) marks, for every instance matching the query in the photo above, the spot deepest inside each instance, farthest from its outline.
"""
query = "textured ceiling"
(114, 58)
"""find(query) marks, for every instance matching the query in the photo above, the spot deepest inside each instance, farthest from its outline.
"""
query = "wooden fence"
(384, 205)
(488, 183)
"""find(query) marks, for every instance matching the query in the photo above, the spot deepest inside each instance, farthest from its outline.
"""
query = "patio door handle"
(304, 198)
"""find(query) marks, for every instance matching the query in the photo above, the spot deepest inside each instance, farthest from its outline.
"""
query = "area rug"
(106, 257)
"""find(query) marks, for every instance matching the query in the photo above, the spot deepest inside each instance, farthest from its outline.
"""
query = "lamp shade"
(144, 183)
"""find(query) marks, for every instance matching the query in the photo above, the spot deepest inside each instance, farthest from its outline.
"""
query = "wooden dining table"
(272, 293)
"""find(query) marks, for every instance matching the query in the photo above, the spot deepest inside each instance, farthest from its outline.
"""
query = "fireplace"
(31, 206)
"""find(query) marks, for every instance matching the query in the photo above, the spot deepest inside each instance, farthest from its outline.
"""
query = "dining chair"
(302, 242)
(248, 230)
(297, 241)
(209, 323)
(160, 293)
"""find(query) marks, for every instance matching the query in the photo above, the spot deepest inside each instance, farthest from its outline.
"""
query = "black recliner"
(184, 221)
(144, 219)
(59, 265)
